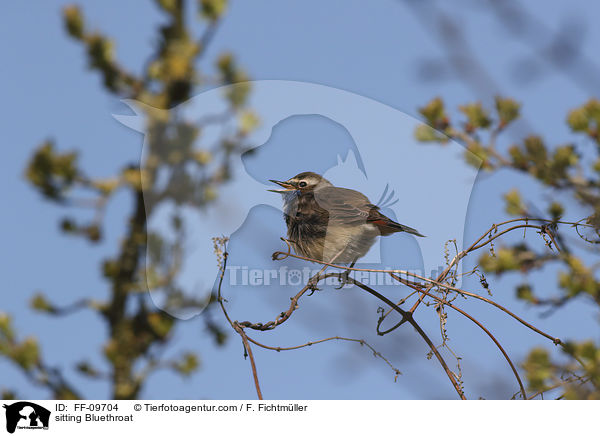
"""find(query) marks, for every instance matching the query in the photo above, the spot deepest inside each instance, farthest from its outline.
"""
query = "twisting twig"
(438, 282)
(248, 349)
(239, 326)
(284, 316)
(444, 284)
(481, 326)
(376, 353)
(409, 318)
(234, 324)
(555, 340)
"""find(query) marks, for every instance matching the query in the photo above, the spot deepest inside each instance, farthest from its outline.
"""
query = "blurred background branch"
(138, 334)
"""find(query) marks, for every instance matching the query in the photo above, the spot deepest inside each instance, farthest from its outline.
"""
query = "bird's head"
(303, 182)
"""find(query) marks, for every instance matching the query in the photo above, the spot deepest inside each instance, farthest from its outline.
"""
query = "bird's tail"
(387, 226)
(407, 229)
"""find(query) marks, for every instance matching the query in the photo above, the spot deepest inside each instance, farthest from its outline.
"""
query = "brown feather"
(324, 220)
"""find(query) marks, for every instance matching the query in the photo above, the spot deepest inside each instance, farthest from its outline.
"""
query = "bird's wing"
(345, 206)
(349, 207)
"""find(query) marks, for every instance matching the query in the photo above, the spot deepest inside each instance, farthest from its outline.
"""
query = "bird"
(329, 223)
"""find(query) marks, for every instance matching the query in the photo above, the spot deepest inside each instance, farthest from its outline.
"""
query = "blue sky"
(369, 49)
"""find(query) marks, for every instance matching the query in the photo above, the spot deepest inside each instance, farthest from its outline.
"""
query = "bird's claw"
(343, 278)
(312, 285)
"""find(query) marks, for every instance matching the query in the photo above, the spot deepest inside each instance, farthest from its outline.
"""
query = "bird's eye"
(302, 184)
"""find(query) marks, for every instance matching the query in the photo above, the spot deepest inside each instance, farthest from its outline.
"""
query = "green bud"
(524, 292)
(538, 368)
(477, 155)
(248, 121)
(426, 133)
(534, 145)
(6, 330)
(187, 365)
(477, 116)
(556, 210)
(212, 9)
(26, 354)
(169, 6)
(508, 110)
(51, 172)
(73, 21)
(161, 323)
(578, 120)
(514, 203)
(519, 160)
(39, 302)
(434, 112)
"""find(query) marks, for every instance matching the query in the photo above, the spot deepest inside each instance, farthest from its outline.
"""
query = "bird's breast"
(314, 236)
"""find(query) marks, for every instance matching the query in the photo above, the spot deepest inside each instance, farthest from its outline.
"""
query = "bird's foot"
(312, 284)
(344, 279)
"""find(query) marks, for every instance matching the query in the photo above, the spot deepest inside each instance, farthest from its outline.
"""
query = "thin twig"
(248, 348)
(481, 326)
(408, 316)
(320, 341)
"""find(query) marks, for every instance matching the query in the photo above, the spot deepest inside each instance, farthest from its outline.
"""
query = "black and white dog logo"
(26, 415)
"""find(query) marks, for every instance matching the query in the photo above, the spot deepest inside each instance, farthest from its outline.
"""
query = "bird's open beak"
(287, 187)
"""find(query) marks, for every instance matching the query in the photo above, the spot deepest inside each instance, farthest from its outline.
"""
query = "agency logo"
(26, 415)
(353, 141)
